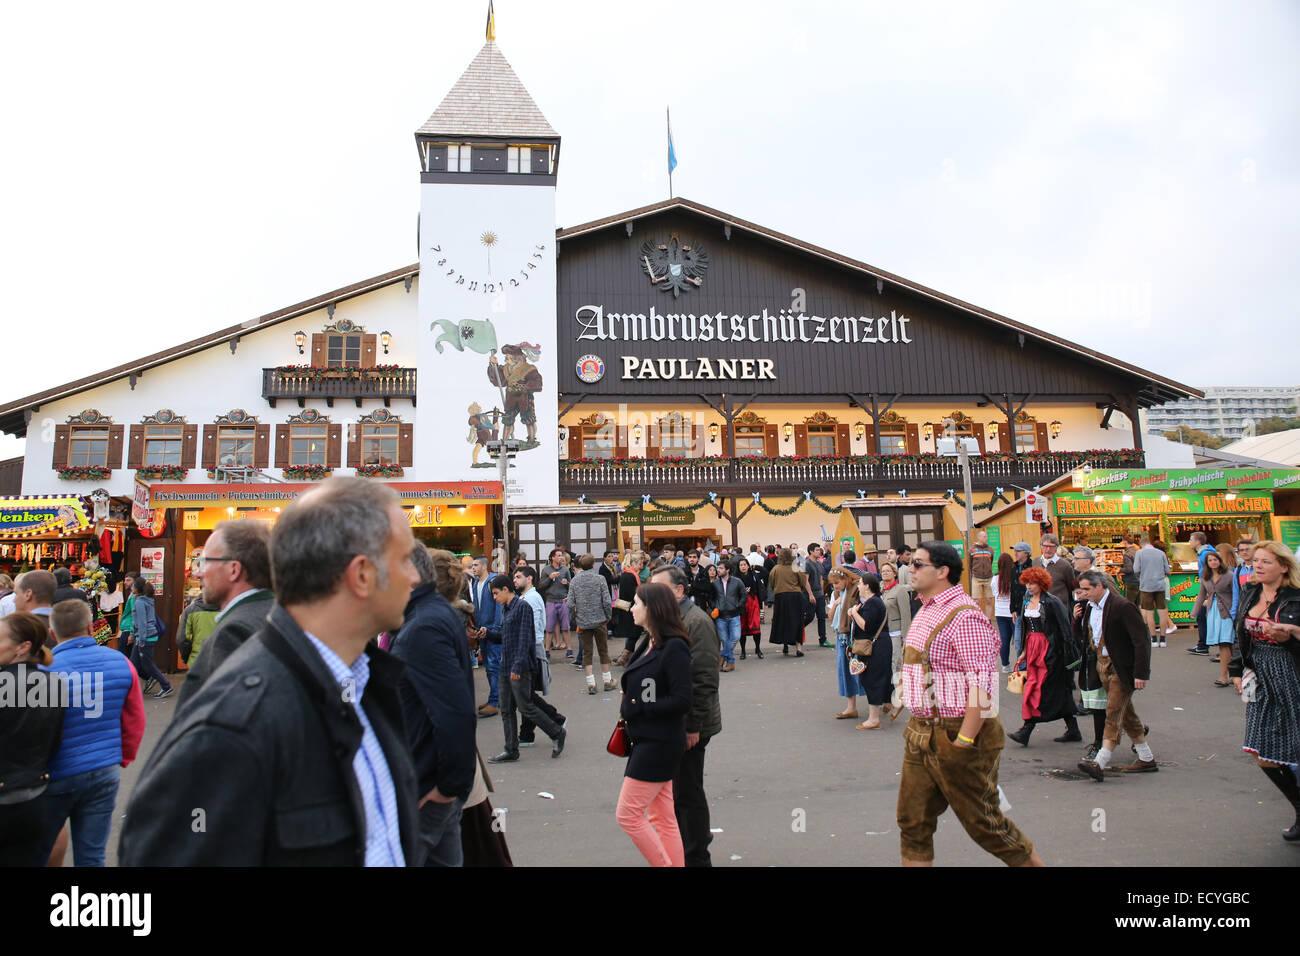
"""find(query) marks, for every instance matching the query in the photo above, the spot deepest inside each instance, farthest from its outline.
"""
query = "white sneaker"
(1170, 630)
(1164, 643)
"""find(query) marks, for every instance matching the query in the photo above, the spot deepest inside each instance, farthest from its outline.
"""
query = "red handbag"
(618, 744)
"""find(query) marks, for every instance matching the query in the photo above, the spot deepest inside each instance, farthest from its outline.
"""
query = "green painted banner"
(1183, 589)
(1075, 504)
(1173, 479)
(632, 516)
(1289, 531)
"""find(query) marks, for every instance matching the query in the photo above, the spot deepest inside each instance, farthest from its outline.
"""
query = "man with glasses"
(235, 570)
(953, 742)
(1058, 569)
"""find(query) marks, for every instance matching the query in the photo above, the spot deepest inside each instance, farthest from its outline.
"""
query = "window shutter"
(369, 345)
(979, 431)
(575, 441)
(1040, 436)
(699, 441)
(334, 446)
(913, 439)
(1006, 438)
(62, 437)
(135, 448)
(843, 440)
(115, 434)
(318, 349)
(354, 445)
(771, 441)
(189, 445)
(869, 436)
(652, 447)
(406, 445)
(620, 441)
(801, 440)
(281, 446)
(209, 459)
(262, 446)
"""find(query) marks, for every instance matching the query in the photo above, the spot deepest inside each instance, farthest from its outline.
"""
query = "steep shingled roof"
(488, 100)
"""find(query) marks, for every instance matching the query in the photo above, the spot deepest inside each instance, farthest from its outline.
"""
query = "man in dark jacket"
(703, 722)
(698, 585)
(1119, 637)
(292, 753)
(437, 694)
(64, 591)
(487, 616)
(518, 670)
(235, 570)
(816, 572)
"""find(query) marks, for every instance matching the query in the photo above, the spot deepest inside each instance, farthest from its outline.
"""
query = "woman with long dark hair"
(657, 693)
(1267, 656)
(751, 619)
(869, 617)
(788, 588)
(1048, 646)
(1002, 605)
(31, 729)
(1218, 595)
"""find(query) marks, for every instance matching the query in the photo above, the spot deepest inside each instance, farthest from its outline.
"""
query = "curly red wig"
(1036, 576)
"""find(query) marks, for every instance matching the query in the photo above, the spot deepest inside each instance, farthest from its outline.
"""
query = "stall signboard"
(1036, 508)
(1183, 589)
(444, 516)
(23, 516)
(1073, 504)
(236, 496)
(1174, 479)
(680, 516)
(153, 567)
(995, 543)
(149, 521)
(1287, 530)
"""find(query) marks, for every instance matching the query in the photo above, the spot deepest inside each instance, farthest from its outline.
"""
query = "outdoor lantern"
(564, 433)
(788, 430)
(993, 431)
(300, 338)
(859, 430)
(636, 434)
(713, 432)
(929, 431)
(1056, 429)
(386, 339)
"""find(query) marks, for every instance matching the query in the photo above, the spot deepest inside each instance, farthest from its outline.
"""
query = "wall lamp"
(1055, 428)
(636, 434)
(859, 430)
(564, 433)
(928, 431)
(713, 432)
(300, 339)
(386, 339)
(993, 431)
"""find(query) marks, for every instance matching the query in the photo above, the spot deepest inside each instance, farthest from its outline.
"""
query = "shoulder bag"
(619, 744)
(861, 647)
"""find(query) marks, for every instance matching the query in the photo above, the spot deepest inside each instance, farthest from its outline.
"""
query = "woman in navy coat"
(657, 694)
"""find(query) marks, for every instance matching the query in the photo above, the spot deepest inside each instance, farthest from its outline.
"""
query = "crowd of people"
(329, 714)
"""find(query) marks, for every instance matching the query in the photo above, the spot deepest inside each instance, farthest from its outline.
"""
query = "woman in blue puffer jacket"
(145, 627)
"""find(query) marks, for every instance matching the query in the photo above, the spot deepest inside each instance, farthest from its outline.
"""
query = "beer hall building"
(671, 373)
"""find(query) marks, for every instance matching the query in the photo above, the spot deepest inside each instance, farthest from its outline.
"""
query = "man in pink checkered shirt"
(953, 742)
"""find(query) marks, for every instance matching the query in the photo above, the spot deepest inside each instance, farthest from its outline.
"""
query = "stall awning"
(29, 515)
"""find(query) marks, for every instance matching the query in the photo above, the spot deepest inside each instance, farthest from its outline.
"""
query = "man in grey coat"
(703, 721)
(590, 609)
(235, 570)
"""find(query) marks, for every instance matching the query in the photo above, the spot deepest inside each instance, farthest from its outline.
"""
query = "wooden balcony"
(843, 477)
(302, 383)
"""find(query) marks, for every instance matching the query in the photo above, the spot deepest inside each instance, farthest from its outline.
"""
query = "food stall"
(1227, 504)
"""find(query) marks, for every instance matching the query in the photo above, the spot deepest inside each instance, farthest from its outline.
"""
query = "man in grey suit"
(236, 573)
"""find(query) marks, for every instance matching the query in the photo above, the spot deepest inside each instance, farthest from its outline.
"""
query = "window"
(893, 440)
(749, 441)
(343, 351)
(88, 446)
(520, 160)
(918, 526)
(379, 444)
(589, 537)
(598, 441)
(162, 446)
(1026, 438)
(235, 446)
(535, 541)
(307, 444)
(875, 528)
(676, 436)
(821, 439)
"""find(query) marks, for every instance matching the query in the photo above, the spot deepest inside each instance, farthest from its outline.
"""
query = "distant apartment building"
(1224, 411)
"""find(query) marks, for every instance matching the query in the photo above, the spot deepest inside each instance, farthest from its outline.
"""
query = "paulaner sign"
(689, 369)
(596, 324)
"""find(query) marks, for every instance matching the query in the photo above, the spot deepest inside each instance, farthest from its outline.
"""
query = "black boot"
(1284, 779)
(1021, 736)
(1071, 732)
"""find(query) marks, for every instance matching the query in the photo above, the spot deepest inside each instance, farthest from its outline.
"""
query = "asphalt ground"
(790, 785)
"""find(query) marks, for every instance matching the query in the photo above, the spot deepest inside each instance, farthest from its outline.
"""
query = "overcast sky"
(1123, 174)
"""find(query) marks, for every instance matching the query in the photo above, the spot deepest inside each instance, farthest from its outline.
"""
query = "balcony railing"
(742, 476)
(303, 382)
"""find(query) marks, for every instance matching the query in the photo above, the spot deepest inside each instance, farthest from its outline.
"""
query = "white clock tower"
(487, 295)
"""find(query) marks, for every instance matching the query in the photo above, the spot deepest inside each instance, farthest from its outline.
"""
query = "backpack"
(161, 628)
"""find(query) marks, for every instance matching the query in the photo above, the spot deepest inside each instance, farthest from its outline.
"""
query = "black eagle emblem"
(674, 266)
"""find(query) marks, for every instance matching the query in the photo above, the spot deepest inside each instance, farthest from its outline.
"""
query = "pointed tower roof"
(488, 100)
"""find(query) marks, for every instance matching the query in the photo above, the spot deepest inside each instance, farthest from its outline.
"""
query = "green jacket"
(198, 625)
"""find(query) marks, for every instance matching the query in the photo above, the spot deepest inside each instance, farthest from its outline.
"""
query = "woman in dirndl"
(844, 593)
(789, 590)
(868, 618)
(751, 617)
(1048, 693)
(1266, 660)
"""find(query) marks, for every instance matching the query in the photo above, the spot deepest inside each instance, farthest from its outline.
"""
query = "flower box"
(84, 473)
(380, 471)
(308, 472)
(162, 472)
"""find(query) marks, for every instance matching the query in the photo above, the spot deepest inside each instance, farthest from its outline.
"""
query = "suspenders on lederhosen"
(916, 732)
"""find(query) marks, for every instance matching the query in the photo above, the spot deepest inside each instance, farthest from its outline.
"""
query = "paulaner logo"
(103, 909)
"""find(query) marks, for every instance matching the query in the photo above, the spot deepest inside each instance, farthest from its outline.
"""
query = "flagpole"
(669, 115)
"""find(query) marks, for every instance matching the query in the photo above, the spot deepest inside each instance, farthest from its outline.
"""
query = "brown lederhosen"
(1120, 714)
(938, 775)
